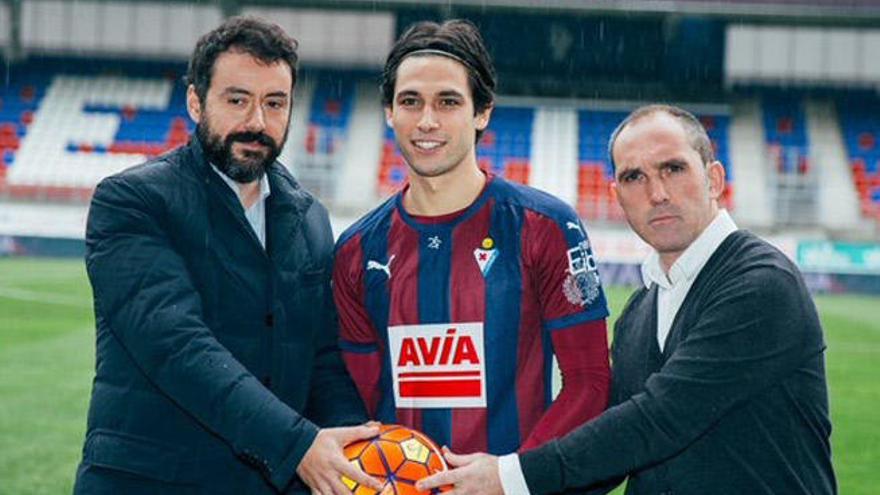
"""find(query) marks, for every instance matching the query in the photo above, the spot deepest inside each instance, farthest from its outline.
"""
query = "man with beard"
(217, 364)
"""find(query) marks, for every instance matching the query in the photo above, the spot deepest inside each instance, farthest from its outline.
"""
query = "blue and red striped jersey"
(449, 325)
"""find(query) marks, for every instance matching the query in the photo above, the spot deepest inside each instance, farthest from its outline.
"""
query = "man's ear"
(193, 104)
(388, 116)
(481, 119)
(612, 189)
(715, 176)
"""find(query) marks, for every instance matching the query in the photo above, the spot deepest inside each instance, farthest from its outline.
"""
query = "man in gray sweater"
(718, 361)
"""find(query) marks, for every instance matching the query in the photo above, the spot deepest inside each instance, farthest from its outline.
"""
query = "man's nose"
(657, 192)
(256, 119)
(428, 121)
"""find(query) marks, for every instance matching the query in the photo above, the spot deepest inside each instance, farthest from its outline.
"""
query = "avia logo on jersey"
(438, 365)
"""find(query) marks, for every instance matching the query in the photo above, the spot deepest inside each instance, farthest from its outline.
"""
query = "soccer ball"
(398, 457)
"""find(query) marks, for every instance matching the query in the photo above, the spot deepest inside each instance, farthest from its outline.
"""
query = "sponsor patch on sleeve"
(581, 285)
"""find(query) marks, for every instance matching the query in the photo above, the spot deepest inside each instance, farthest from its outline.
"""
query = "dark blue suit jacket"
(217, 360)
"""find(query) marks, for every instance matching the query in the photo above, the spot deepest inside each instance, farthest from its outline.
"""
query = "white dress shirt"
(674, 286)
(256, 214)
(512, 480)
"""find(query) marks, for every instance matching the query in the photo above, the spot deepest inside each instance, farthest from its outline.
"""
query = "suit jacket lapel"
(285, 211)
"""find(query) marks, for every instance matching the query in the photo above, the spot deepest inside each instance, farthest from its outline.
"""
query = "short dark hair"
(458, 39)
(693, 129)
(263, 40)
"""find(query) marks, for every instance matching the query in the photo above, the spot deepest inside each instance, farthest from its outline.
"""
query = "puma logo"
(375, 265)
(574, 226)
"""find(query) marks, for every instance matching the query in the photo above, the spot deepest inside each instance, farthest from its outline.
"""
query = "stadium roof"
(821, 10)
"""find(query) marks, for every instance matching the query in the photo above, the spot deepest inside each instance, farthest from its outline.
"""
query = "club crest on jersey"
(438, 365)
(485, 255)
(581, 289)
(582, 285)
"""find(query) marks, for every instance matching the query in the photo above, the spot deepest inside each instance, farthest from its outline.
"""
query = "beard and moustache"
(242, 170)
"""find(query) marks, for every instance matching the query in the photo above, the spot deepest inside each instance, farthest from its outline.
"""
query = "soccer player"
(455, 293)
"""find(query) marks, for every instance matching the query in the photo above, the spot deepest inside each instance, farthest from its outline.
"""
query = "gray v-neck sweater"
(737, 402)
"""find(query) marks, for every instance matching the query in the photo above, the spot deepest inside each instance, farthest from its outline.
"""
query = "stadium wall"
(41, 247)
(828, 267)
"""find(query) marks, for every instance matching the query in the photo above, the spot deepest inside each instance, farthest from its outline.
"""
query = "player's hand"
(323, 466)
(473, 474)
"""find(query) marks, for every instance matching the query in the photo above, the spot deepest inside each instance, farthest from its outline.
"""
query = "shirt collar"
(692, 260)
(264, 184)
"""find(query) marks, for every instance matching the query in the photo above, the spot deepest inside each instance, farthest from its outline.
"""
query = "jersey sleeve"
(358, 338)
(573, 310)
(565, 272)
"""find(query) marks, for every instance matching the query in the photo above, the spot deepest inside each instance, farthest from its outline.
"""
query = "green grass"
(47, 362)
(852, 332)
(46, 366)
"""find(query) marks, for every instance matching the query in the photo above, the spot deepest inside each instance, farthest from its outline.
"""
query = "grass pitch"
(47, 364)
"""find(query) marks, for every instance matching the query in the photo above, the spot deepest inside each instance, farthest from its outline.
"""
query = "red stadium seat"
(866, 141)
(785, 125)
(129, 112)
(27, 94)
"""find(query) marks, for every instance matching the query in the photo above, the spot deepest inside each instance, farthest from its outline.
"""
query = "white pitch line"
(42, 297)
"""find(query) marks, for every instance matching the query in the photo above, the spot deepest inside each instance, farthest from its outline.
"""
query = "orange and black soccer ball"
(397, 457)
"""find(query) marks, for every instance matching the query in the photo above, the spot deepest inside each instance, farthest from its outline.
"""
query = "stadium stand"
(794, 169)
(19, 101)
(329, 115)
(506, 146)
(859, 116)
(144, 131)
(785, 128)
(595, 172)
(66, 126)
(320, 156)
(392, 167)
